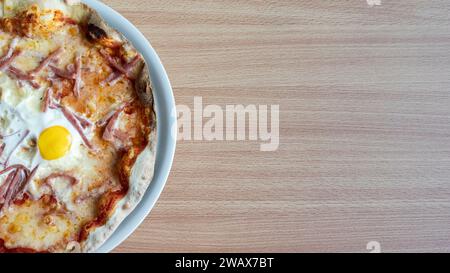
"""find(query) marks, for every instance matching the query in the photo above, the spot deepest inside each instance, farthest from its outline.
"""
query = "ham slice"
(70, 116)
(8, 58)
(129, 66)
(49, 59)
(69, 20)
(84, 122)
(78, 81)
(112, 62)
(10, 55)
(10, 135)
(15, 183)
(14, 186)
(47, 99)
(14, 167)
(73, 181)
(22, 76)
(108, 134)
(6, 188)
(25, 183)
(121, 135)
(111, 133)
(119, 70)
(12, 47)
(104, 121)
(2, 148)
(5, 62)
(112, 79)
(65, 74)
(72, 72)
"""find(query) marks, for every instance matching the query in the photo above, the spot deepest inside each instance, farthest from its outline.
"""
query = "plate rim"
(165, 108)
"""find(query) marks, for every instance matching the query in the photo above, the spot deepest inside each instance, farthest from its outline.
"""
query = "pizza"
(77, 127)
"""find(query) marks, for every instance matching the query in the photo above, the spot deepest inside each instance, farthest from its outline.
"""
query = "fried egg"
(47, 139)
(41, 136)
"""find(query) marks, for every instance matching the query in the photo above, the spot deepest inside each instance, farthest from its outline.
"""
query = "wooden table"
(364, 95)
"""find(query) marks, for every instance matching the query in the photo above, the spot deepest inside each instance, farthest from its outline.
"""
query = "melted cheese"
(12, 7)
(30, 227)
(10, 92)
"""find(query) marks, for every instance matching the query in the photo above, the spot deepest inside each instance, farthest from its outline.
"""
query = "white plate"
(166, 123)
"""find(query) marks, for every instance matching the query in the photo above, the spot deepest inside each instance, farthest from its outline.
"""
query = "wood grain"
(364, 97)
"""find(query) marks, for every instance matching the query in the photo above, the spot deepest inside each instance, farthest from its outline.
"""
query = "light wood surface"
(364, 97)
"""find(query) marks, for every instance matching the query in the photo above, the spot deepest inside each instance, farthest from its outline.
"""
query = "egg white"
(24, 118)
(25, 114)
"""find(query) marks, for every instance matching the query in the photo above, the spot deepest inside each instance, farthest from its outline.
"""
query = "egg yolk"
(54, 142)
